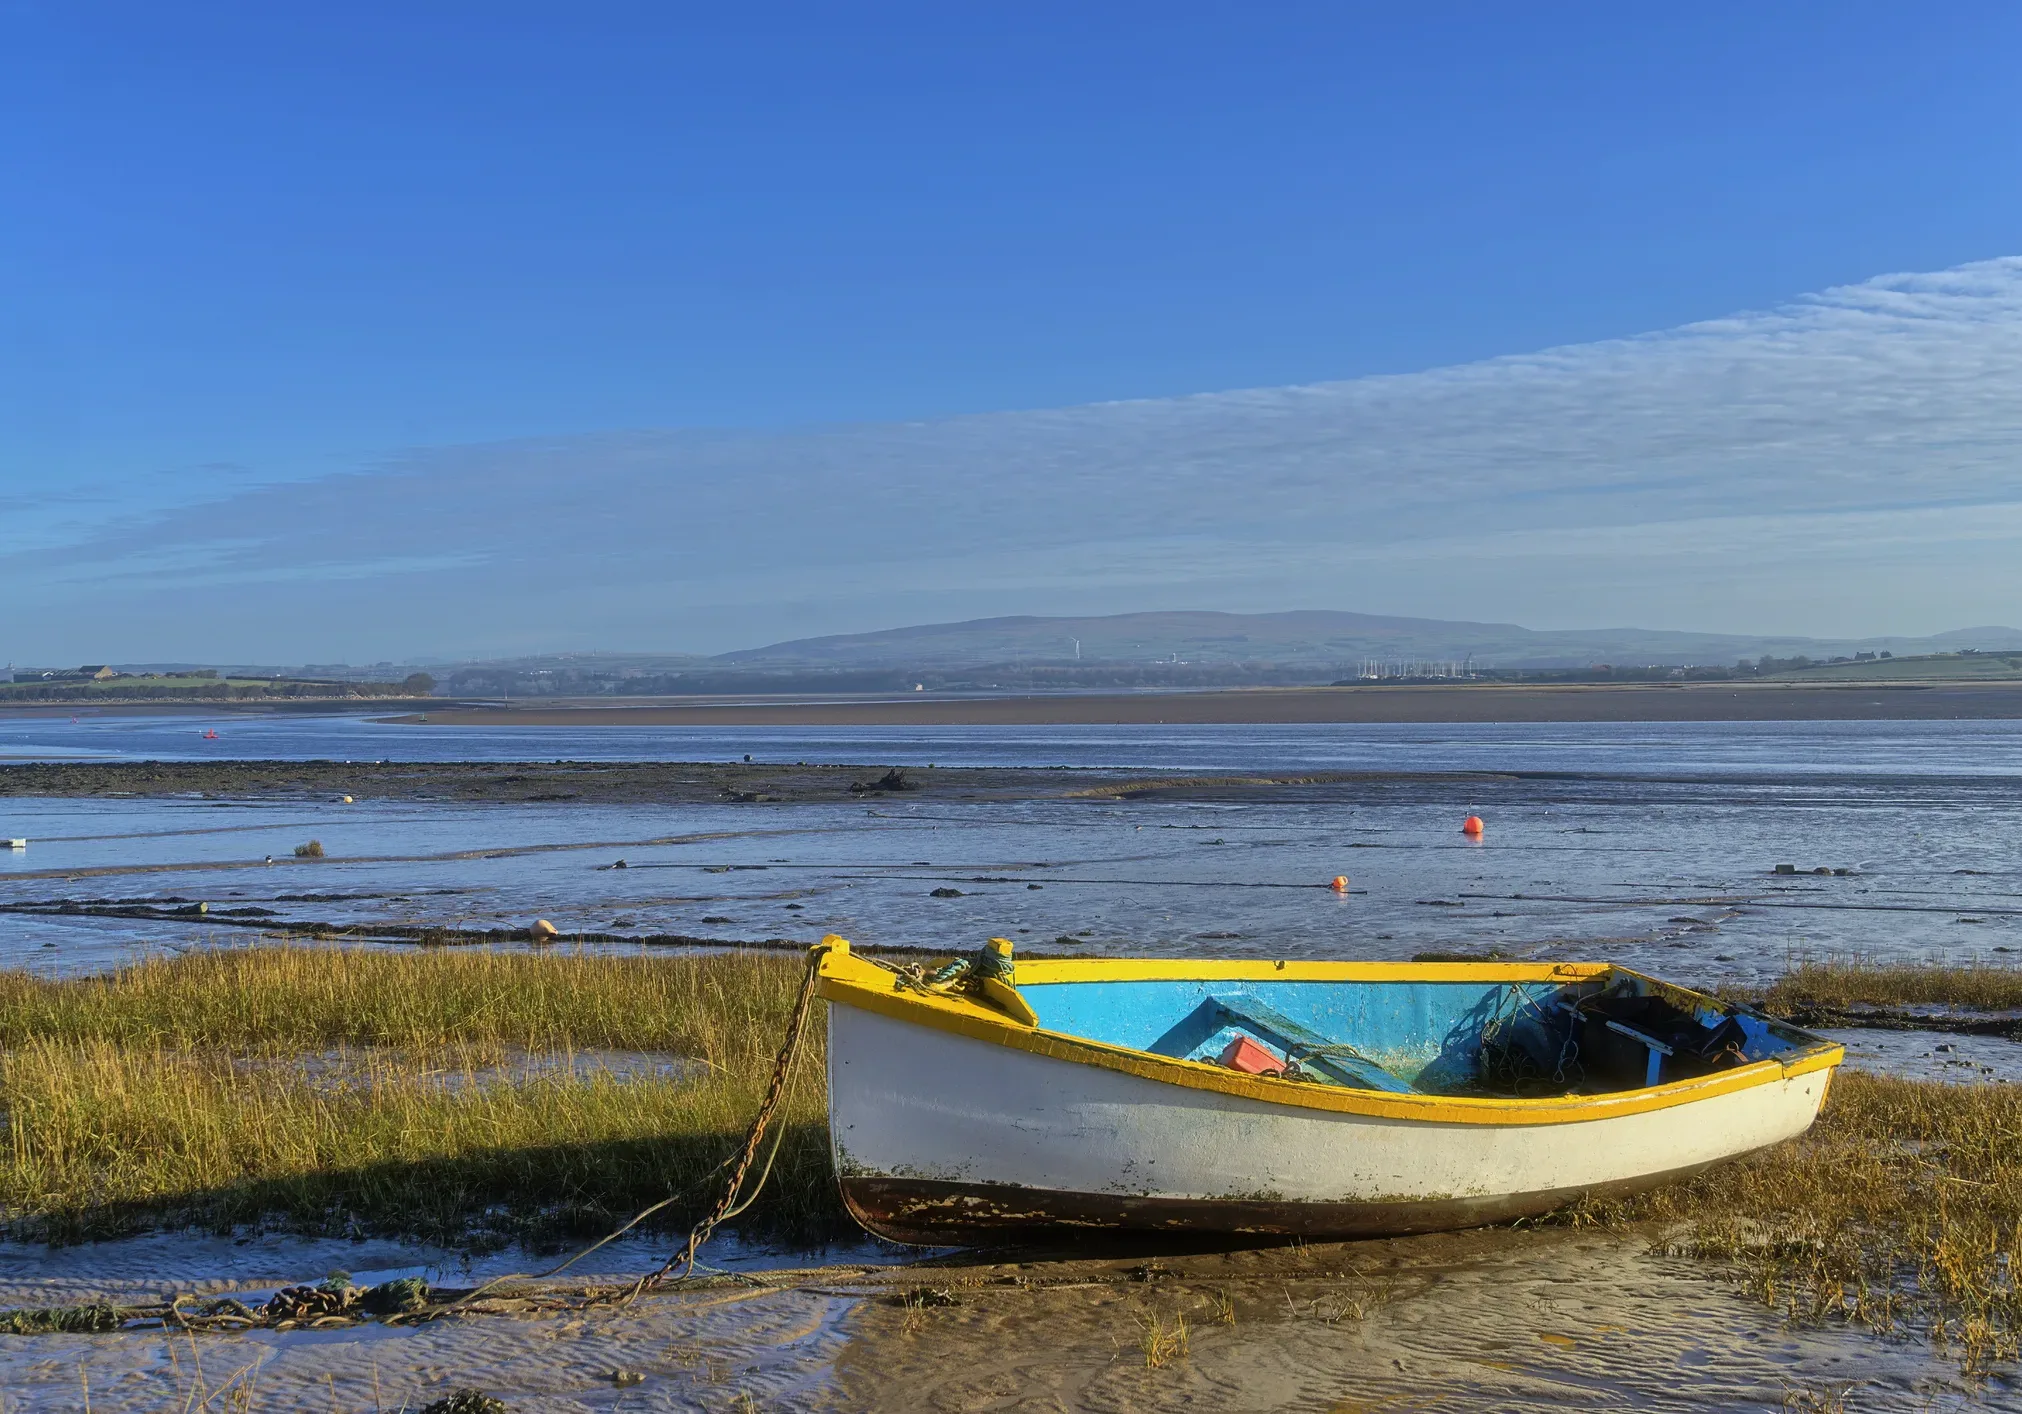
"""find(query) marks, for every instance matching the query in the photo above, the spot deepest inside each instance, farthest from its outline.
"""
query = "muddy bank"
(1470, 702)
(264, 924)
(654, 783)
(1953, 1022)
(541, 782)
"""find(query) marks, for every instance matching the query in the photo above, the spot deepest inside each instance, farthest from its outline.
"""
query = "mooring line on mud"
(1742, 901)
(1146, 883)
(334, 1306)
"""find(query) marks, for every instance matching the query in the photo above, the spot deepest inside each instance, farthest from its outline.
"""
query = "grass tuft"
(1164, 1338)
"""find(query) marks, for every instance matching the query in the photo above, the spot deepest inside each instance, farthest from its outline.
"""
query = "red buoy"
(1340, 884)
(1471, 825)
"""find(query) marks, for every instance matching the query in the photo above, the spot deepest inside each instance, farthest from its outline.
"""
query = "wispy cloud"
(1850, 462)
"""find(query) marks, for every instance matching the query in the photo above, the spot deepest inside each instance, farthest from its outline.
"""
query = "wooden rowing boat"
(1308, 1098)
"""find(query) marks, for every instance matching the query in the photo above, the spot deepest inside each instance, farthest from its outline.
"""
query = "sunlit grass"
(175, 1091)
(1837, 983)
(725, 1008)
(1900, 1209)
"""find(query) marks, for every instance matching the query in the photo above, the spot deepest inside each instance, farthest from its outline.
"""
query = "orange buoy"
(1471, 825)
(1340, 884)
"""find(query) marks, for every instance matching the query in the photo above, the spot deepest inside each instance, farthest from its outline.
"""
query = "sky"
(438, 330)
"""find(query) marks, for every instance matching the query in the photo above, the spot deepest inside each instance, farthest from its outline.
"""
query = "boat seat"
(1333, 1061)
(1658, 1050)
(1671, 1039)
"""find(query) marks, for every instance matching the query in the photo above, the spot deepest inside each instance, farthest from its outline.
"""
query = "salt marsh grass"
(723, 1008)
(1901, 1209)
(330, 1090)
(1838, 983)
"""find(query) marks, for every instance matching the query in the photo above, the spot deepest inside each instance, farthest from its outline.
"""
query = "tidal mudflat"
(333, 1121)
(1713, 855)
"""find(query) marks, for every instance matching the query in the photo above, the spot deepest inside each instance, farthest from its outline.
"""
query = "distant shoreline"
(1709, 702)
(1261, 706)
(207, 706)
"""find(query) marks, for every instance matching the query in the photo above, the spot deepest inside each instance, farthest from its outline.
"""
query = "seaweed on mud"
(466, 1401)
(892, 780)
(64, 1320)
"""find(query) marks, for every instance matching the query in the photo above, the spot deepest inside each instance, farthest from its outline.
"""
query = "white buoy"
(14, 844)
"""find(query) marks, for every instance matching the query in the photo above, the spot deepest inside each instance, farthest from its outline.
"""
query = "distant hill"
(1178, 649)
(1310, 638)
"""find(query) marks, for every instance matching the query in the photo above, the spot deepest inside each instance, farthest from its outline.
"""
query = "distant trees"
(420, 684)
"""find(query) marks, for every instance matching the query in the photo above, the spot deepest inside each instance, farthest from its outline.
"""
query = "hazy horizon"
(1413, 637)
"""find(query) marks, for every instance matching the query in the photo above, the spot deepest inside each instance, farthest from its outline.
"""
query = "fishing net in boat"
(1528, 1047)
(1595, 1041)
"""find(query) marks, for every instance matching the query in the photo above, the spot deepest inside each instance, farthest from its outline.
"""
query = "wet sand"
(1471, 702)
(1500, 1319)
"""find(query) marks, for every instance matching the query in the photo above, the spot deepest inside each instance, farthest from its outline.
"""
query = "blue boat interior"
(1610, 1033)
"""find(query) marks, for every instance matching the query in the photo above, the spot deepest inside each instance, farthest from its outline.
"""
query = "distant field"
(1814, 701)
(1934, 667)
(189, 689)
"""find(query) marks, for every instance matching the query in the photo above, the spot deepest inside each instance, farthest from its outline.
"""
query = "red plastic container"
(1252, 1059)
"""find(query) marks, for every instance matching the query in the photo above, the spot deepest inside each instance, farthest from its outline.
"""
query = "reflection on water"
(1932, 1055)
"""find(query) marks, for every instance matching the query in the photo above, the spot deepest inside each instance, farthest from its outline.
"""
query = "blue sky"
(376, 330)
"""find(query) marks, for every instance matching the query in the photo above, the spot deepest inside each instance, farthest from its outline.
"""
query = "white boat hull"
(942, 1137)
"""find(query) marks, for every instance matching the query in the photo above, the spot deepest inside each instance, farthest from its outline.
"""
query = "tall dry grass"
(335, 1090)
(721, 1007)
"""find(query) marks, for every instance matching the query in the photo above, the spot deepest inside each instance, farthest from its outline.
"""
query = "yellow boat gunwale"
(856, 982)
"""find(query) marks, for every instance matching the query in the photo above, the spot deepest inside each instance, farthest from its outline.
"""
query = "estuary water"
(1656, 845)
(1935, 749)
